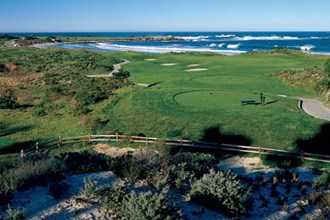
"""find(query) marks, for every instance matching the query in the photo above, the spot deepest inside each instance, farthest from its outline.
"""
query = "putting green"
(226, 100)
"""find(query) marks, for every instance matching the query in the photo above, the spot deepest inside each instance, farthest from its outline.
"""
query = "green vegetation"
(55, 97)
(49, 94)
(7, 99)
(326, 67)
(221, 191)
(183, 104)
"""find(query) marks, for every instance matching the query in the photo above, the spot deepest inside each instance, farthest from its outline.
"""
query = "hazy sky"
(163, 15)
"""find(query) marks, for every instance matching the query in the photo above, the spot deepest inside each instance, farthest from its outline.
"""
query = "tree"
(7, 99)
(326, 67)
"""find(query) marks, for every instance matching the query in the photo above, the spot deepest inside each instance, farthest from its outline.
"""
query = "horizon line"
(190, 31)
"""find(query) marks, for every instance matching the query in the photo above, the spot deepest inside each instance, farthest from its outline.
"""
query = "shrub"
(30, 172)
(322, 86)
(323, 180)
(221, 191)
(86, 162)
(113, 197)
(121, 74)
(181, 176)
(15, 214)
(88, 188)
(324, 205)
(39, 110)
(149, 205)
(2, 67)
(148, 165)
(7, 99)
(326, 67)
(196, 162)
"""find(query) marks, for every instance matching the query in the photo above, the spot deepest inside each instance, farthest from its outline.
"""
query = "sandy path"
(315, 108)
(117, 67)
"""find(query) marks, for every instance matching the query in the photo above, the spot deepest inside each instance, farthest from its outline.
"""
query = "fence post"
(22, 154)
(147, 141)
(259, 155)
(181, 142)
(59, 141)
(302, 155)
(116, 136)
(37, 147)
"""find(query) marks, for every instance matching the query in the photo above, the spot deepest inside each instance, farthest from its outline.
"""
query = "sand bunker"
(150, 59)
(196, 70)
(193, 65)
(169, 64)
(112, 151)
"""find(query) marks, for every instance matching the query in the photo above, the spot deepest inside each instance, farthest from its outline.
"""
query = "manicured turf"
(185, 104)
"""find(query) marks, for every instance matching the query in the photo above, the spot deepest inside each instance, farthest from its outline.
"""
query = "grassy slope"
(184, 104)
(19, 126)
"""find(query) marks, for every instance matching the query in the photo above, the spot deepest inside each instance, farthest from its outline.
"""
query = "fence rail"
(194, 144)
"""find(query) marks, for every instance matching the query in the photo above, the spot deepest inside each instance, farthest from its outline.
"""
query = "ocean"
(218, 42)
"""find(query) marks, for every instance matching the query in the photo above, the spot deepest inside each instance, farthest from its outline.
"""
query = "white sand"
(150, 59)
(169, 64)
(112, 151)
(196, 70)
(193, 65)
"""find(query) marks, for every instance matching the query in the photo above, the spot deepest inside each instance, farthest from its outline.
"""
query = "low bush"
(149, 205)
(113, 197)
(15, 214)
(148, 165)
(39, 110)
(196, 162)
(89, 187)
(322, 86)
(121, 74)
(323, 179)
(326, 67)
(222, 192)
(86, 162)
(30, 171)
(7, 99)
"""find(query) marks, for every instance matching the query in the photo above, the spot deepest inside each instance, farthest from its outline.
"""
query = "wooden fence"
(194, 144)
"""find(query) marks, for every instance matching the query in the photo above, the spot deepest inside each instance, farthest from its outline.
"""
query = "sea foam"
(192, 38)
(249, 38)
(233, 46)
(307, 47)
(159, 49)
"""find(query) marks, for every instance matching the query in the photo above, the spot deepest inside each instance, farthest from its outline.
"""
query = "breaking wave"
(158, 49)
(233, 46)
(307, 47)
(249, 38)
(192, 38)
(225, 36)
